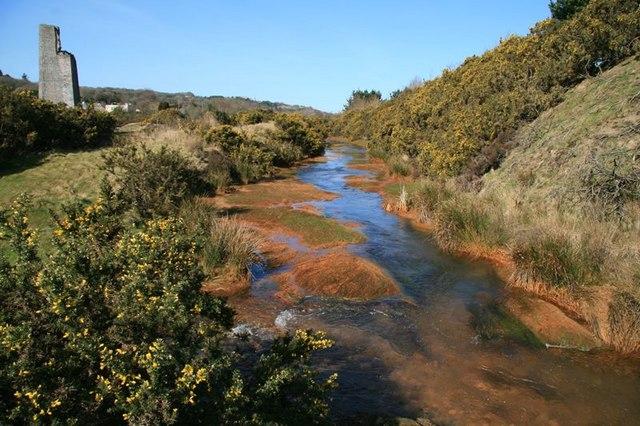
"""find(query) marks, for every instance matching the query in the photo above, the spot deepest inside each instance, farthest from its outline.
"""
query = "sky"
(299, 52)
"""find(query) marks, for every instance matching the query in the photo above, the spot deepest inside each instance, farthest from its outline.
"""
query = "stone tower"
(58, 71)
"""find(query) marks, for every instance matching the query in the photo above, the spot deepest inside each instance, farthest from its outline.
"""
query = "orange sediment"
(337, 274)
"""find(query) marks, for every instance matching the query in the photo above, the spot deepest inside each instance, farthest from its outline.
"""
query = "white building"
(112, 107)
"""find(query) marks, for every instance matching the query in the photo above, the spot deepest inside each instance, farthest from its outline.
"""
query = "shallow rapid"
(418, 354)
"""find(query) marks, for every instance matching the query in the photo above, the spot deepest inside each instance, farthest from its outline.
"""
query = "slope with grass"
(598, 119)
(51, 179)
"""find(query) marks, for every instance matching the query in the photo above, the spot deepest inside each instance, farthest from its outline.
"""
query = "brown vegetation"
(338, 274)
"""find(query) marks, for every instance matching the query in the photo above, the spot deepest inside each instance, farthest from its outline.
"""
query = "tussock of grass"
(399, 167)
(624, 323)
(555, 259)
(460, 220)
(230, 242)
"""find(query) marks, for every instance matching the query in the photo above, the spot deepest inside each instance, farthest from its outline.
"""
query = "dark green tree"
(565, 9)
(360, 98)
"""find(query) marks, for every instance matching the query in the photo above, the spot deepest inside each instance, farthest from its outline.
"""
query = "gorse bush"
(112, 326)
(294, 129)
(253, 116)
(169, 116)
(251, 162)
(31, 124)
(225, 137)
(254, 156)
(446, 122)
(153, 182)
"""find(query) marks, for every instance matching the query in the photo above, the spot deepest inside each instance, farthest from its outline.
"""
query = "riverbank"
(557, 316)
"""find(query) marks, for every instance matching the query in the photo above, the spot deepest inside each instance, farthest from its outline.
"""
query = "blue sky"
(300, 52)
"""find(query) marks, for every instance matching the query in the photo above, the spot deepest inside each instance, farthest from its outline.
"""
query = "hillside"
(147, 100)
(460, 122)
(596, 124)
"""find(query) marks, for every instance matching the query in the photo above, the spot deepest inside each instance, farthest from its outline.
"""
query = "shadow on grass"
(21, 162)
(232, 211)
(28, 160)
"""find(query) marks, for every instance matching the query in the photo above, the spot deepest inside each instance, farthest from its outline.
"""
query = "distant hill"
(147, 100)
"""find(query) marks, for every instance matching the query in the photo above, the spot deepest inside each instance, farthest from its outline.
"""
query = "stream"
(417, 354)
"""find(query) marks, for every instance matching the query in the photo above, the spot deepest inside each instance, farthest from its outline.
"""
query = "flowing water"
(417, 354)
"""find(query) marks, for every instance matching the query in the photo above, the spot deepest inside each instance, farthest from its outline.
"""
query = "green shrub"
(564, 9)
(167, 117)
(112, 327)
(153, 183)
(31, 124)
(284, 154)
(222, 117)
(225, 137)
(218, 170)
(555, 259)
(363, 98)
(295, 130)
(253, 116)
(251, 163)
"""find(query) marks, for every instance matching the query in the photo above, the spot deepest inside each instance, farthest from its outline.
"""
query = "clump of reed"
(230, 242)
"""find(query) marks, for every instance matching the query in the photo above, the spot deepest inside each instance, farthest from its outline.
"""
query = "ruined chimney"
(58, 72)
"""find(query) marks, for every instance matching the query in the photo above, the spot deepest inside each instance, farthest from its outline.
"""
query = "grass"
(51, 180)
(463, 221)
(556, 260)
(314, 230)
(276, 192)
(399, 167)
(229, 242)
(624, 323)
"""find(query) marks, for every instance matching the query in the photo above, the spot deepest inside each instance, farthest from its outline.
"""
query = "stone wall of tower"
(58, 72)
